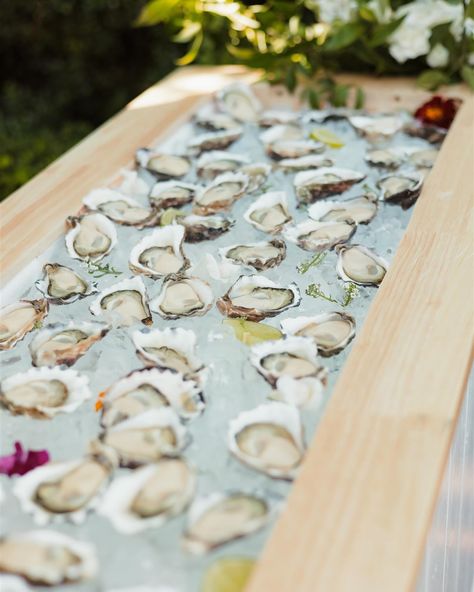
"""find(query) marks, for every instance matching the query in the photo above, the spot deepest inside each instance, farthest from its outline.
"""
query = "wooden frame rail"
(358, 514)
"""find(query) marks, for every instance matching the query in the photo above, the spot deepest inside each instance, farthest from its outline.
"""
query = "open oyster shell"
(320, 236)
(238, 101)
(303, 163)
(303, 393)
(269, 439)
(65, 343)
(361, 210)
(149, 496)
(220, 194)
(358, 264)
(91, 237)
(296, 357)
(318, 183)
(211, 164)
(282, 132)
(48, 558)
(132, 183)
(150, 388)
(171, 348)
(376, 127)
(160, 253)
(171, 194)
(123, 303)
(19, 318)
(182, 296)
(44, 392)
(273, 117)
(147, 437)
(212, 120)
(257, 172)
(9, 583)
(65, 490)
(62, 285)
(220, 518)
(401, 189)
(120, 208)
(214, 140)
(162, 165)
(330, 331)
(269, 213)
(255, 297)
(200, 228)
(262, 255)
(288, 142)
(431, 133)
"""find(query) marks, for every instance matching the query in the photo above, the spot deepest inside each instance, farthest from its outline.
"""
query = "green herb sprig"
(351, 291)
(97, 270)
(313, 262)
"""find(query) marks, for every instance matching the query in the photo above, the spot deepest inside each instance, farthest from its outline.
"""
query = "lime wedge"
(169, 216)
(326, 137)
(250, 332)
(229, 574)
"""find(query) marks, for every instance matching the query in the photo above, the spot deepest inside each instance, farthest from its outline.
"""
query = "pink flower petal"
(22, 461)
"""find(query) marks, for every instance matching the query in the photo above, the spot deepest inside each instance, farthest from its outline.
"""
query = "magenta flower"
(22, 461)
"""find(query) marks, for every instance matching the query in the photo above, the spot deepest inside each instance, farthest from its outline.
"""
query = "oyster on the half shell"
(201, 228)
(162, 165)
(182, 296)
(19, 318)
(211, 164)
(90, 237)
(214, 140)
(257, 172)
(315, 184)
(160, 253)
(238, 101)
(120, 208)
(376, 127)
(360, 209)
(358, 264)
(315, 236)
(171, 194)
(262, 255)
(220, 194)
(62, 285)
(123, 303)
(269, 212)
(401, 189)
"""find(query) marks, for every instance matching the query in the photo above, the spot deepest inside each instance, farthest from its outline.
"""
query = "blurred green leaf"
(432, 79)
(383, 32)
(190, 56)
(467, 74)
(359, 98)
(344, 36)
(156, 11)
(189, 31)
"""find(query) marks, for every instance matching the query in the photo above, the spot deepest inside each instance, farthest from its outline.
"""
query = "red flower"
(21, 461)
(438, 111)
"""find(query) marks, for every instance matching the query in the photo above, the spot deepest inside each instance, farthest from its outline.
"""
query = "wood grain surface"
(358, 514)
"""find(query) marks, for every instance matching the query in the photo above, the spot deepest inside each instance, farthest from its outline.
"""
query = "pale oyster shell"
(49, 558)
(62, 285)
(211, 164)
(120, 208)
(401, 189)
(214, 140)
(296, 357)
(91, 237)
(210, 119)
(330, 331)
(132, 184)
(9, 583)
(222, 517)
(162, 165)
(129, 305)
(273, 117)
(251, 297)
(171, 348)
(66, 389)
(238, 101)
(65, 343)
(282, 133)
(319, 183)
(315, 236)
(304, 393)
(376, 127)
(269, 212)
(360, 265)
(130, 505)
(262, 255)
(303, 163)
(147, 437)
(150, 388)
(182, 296)
(160, 252)
(172, 194)
(200, 228)
(257, 172)
(360, 209)
(220, 194)
(269, 439)
(19, 318)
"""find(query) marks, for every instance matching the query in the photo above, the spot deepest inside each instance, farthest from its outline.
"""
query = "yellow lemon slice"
(169, 215)
(326, 137)
(229, 574)
(250, 332)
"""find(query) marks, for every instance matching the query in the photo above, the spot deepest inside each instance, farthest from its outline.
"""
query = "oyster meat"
(330, 331)
(223, 517)
(44, 392)
(160, 253)
(214, 121)
(303, 163)
(358, 264)
(360, 209)
(262, 255)
(171, 194)
(182, 296)
(61, 343)
(319, 236)
(269, 213)
(162, 165)
(211, 164)
(200, 228)
(123, 303)
(255, 297)
(214, 140)
(91, 237)
(220, 194)
(18, 319)
(238, 101)
(149, 496)
(257, 172)
(120, 208)
(318, 183)
(401, 189)
(62, 285)
(47, 558)
(147, 437)
(376, 127)
(269, 439)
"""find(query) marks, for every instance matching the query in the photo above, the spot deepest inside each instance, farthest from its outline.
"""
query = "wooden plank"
(358, 513)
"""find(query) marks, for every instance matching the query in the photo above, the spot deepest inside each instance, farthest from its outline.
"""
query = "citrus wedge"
(326, 137)
(229, 574)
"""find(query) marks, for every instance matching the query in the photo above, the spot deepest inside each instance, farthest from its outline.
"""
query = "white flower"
(383, 12)
(332, 10)
(438, 56)
(469, 27)
(411, 39)
(470, 58)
